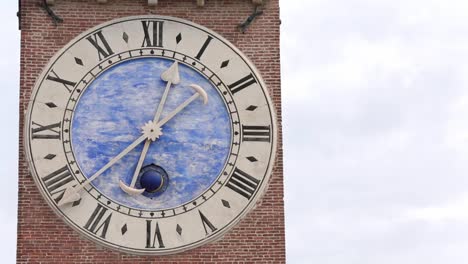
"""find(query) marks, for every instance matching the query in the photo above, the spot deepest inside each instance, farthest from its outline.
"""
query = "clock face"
(150, 135)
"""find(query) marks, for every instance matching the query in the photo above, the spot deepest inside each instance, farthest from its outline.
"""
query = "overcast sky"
(375, 105)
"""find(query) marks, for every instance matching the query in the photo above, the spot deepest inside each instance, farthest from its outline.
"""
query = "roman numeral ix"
(152, 237)
(95, 222)
(100, 43)
(156, 38)
(46, 132)
(242, 183)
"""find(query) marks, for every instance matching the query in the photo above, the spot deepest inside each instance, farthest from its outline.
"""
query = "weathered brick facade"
(43, 237)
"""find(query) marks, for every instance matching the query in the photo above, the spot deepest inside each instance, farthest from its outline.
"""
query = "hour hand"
(199, 92)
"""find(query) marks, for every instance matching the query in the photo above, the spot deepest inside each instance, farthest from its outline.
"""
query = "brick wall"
(44, 237)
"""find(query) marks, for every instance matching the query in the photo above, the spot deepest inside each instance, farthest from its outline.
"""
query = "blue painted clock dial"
(192, 151)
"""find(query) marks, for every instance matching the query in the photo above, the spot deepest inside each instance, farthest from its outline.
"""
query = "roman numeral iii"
(152, 237)
(242, 183)
(256, 133)
(96, 222)
(153, 30)
(101, 45)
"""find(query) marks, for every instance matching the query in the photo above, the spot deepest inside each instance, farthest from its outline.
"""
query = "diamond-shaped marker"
(51, 105)
(124, 229)
(75, 203)
(224, 63)
(78, 61)
(252, 159)
(179, 229)
(125, 37)
(226, 203)
(178, 38)
(251, 108)
(50, 156)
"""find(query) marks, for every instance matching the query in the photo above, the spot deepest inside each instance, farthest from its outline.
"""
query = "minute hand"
(200, 92)
(71, 193)
(171, 76)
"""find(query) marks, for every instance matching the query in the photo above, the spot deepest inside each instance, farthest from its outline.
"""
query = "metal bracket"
(243, 26)
(56, 19)
(18, 14)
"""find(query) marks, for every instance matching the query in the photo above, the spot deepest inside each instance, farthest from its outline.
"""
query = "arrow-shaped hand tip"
(171, 74)
(70, 195)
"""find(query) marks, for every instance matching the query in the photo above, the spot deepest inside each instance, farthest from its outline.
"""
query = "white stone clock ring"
(128, 100)
(71, 193)
(171, 76)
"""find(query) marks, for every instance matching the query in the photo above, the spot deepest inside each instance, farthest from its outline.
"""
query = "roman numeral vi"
(152, 238)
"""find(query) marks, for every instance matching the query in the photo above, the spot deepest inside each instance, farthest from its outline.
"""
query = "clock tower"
(151, 132)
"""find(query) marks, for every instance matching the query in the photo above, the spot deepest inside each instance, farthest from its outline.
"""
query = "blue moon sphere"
(192, 150)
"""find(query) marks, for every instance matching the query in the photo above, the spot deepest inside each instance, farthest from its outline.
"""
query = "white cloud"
(450, 211)
(375, 142)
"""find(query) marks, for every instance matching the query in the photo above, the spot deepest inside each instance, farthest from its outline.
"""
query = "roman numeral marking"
(206, 223)
(94, 224)
(53, 76)
(151, 238)
(242, 183)
(56, 181)
(203, 48)
(242, 83)
(256, 133)
(104, 50)
(156, 38)
(46, 132)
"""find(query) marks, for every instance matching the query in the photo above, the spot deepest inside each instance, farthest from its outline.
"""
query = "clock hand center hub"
(152, 130)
